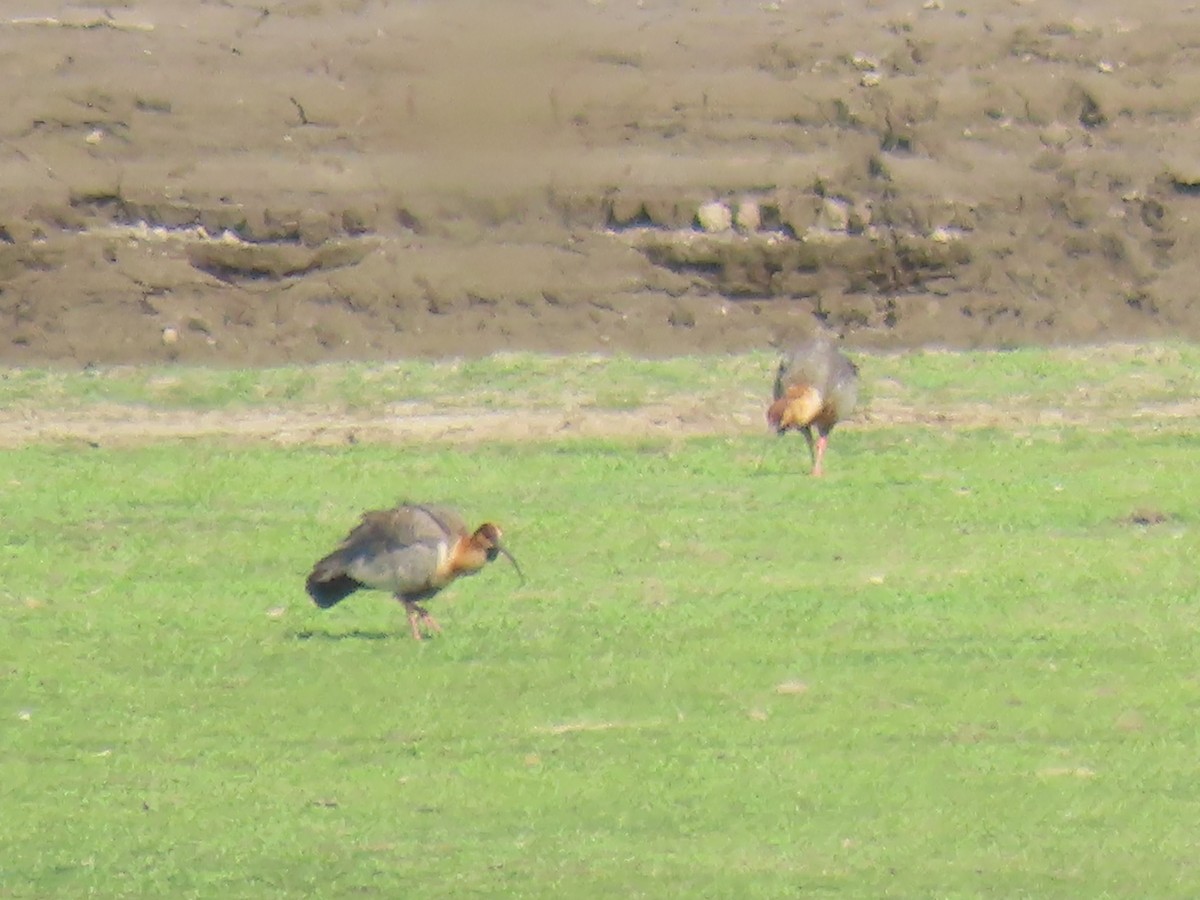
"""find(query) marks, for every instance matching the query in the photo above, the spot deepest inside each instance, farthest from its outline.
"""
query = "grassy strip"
(1108, 379)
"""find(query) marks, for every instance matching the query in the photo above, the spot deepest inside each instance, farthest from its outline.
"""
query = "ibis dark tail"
(328, 584)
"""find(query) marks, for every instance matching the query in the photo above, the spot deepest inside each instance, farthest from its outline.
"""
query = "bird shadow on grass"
(356, 634)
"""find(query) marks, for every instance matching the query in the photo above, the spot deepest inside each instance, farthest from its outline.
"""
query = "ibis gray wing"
(399, 549)
(843, 386)
(439, 518)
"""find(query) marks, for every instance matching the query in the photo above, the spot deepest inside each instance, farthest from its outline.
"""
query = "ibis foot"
(418, 615)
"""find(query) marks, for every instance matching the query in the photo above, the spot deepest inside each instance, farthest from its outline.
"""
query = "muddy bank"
(253, 184)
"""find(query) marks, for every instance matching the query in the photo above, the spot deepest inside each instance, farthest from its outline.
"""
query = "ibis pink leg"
(819, 456)
(428, 619)
(412, 619)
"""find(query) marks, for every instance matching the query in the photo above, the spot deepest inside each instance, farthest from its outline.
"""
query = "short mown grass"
(962, 665)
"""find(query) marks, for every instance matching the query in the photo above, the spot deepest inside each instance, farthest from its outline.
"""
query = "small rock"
(748, 217)
(170, 336)
(871, 79)
(714, 217)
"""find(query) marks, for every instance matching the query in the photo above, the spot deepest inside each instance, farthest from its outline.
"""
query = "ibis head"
(488, 538)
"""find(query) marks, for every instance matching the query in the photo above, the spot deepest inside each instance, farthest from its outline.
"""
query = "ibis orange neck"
(467, 556)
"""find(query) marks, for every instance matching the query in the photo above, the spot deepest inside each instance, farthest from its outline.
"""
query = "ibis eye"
(492, 553)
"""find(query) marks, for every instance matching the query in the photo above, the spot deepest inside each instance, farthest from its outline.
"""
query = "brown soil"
(254, 183)
(681, 417)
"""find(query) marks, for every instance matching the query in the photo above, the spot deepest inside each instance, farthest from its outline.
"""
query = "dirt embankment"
(258, 183)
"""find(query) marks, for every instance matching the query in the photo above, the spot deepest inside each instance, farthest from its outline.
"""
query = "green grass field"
(963, 665)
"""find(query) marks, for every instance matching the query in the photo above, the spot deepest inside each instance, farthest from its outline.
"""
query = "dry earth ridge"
(415, 423)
